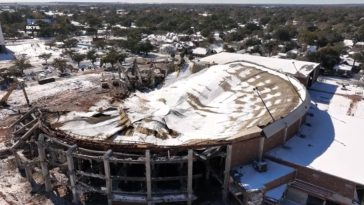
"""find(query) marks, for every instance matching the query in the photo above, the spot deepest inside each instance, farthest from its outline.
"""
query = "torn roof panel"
(216, 104)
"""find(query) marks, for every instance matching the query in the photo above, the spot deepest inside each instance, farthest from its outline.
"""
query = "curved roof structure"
(214, 105)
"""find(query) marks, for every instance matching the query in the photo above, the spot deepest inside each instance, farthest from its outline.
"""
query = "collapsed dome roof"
(214, 105)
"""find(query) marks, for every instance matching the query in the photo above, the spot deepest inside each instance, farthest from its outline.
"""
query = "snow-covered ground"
(32, 48)
(332, 141)
(61, 85)
(36, 91)
(15, 189)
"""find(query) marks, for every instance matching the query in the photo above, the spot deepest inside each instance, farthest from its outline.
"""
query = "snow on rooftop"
(250, 179)
(75, 23)
(199, 51)
(217, 103)
(282, 65)
(343, 67)
(334, 142)
(348, 42)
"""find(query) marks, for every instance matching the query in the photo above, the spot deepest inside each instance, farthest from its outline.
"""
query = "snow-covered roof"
(290, 66)
(75, 23)
(348, 42)
(311, 48)
(216, 104)
(200, 51)
(334, 141)
(343, 67)
(251, 179)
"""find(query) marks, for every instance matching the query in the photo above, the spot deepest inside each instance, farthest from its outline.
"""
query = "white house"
(167, 49)
(343, 69)
(199, 51)
(311, 49)
(348, 43)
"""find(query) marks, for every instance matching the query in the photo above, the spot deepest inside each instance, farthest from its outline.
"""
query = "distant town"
(204, 104)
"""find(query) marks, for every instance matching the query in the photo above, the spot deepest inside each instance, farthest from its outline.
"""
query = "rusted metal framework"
(147, 176)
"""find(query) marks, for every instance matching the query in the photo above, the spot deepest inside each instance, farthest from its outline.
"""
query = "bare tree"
(78, 58)
(20, 64)
(50, 43)
(92, 56)
(60, 64)
(45, 57)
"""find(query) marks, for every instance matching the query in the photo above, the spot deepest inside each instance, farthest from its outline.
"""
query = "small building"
(200, 52)
(359, 44)
(348, 43)
(311, 49)
(167, 49)
(31, 22)
(343, 70)
(121, 12)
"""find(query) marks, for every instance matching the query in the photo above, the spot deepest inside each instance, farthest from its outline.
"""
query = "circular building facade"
(156, 147)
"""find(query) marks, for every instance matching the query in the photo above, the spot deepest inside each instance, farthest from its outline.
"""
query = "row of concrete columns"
(106, 161)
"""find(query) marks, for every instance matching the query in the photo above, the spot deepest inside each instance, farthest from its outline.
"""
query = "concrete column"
(181, 181)
(148, 177)
(25, 94)
(225, 191)
(108, 180)
(43, 163)
(28, 172)
(190, 176)
(208, 169)
(300, 123)
(71, 170)
(261, 148)
(285, 133)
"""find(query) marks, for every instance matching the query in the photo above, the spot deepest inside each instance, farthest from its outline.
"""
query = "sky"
(208, 1)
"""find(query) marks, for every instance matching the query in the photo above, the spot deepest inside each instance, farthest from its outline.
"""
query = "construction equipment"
(14, 85)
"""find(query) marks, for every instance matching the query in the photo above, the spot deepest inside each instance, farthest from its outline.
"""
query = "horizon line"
(180, 3)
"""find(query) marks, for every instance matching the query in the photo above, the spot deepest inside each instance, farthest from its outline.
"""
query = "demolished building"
(158, 146)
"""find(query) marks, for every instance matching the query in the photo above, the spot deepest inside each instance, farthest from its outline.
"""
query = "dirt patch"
(72, 100)
(3, 133)
(353, 104)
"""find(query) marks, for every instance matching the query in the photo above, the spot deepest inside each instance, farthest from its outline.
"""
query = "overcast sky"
(208, 1)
